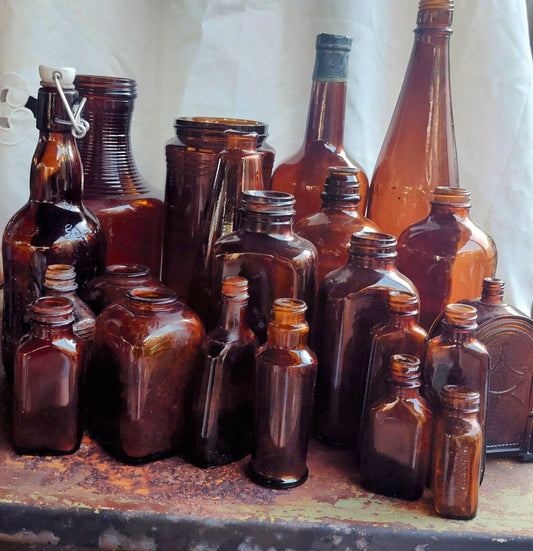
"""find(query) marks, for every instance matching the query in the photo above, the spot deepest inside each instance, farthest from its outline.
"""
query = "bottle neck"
(404, 392)
(278, 225)
(232, 316)
(381, 264)
(51, 332)
(403, 320)
(455, 334)
(336, 203)
(462, 212)
(282, 336)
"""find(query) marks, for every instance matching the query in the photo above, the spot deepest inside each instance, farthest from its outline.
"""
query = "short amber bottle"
(446, 255)
(396, 438)
(47, 378)
(457, 454)
(350, 302)
(284, 387)
(331, 228)
(140, 381)
(224, 397)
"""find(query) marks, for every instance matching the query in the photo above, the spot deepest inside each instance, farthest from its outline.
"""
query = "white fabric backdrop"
(254, 59)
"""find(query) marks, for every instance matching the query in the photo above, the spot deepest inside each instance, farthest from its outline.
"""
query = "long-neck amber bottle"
(284, 387)
(54, 226)
(129, 210)
(331, 228)
(419, 152)
(303, 174)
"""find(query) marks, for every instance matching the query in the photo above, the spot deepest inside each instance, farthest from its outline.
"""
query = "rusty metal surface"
(88, 500)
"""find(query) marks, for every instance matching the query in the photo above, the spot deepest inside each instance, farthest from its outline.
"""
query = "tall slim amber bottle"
(419, 152)
(303, 174)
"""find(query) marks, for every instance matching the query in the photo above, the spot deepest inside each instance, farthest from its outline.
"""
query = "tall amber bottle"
(419, 152)
(129, 210)
(446, 255)
(303, 174)
(284, 387)
(54, 226)
(331, 228)
(224, 398)
(350, 301)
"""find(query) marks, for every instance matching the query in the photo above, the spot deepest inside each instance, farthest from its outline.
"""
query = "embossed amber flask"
(303, 174)
(446, 255)
(331, 228)
(418, 153)
(284, 387)
(223, 407)
(129, 210)
(396, 439)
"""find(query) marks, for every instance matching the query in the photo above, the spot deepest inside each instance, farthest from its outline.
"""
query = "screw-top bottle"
(303, 174)
(418, 153)
(284, 388)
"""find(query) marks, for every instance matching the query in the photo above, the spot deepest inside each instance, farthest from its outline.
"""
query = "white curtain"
(254, 59)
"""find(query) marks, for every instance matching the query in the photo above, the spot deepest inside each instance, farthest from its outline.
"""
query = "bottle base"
(276, 483)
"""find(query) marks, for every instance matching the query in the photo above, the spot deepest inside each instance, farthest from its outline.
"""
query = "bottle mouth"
(460, 315)
(460, 398)
(289, 313)
(405, 370)
(325, 41)
(341, 184)
(234, 287)
(128, 270)
(268, 202)
(239, 140)
(51, 310)
(214, 127)
(374, 245)
(99, 85)
(452, 196)
(60, 277)
(401, 302)
(150, 295)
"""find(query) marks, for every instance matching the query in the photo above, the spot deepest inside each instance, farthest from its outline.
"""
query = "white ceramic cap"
(67, 75)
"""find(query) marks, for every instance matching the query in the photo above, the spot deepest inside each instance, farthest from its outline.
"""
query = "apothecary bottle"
(54, 226)
(264, 249)
(223, 407)
(396, 438)
(419, 152)
(446, 255)
(350, 302)
(284, 387)
(457, 454)
(47, 379)
(115, 282)
(130, 211)
(331, 228)
(191, 158)
(140, 381)
(303, 173)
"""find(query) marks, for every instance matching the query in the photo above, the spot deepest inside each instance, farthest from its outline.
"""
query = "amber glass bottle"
(446, 255)
(53, 227)
(224, 398)
(396, 439)
(457, 454)
(418, 153)
(191, 163)
(284, 387)
(146, 354)
(264, 249)
(331, 228)
(399, 334)
(47, 376)
(129, 210)
(303, 174)
(350, 301)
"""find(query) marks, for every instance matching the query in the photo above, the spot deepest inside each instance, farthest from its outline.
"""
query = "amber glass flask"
(46, 390)
(264, 249)
(446, 255)
(191, 163)
(224, 399)
(129, 210)
(54, 226)
(418, 153)
(147, 351)
(284, 387)
(350, 301)
(303, 173)
(396, 439)
(331, 228)
(457, 454)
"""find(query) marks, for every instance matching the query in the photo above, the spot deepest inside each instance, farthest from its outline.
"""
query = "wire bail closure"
(80, 126)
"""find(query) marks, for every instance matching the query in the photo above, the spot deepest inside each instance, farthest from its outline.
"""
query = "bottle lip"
(289, 313)
(52, 310)
(436, 4)
(341, 184)
(235, 287)
(404, 370)
(268, 202)
(151, 295)
(460, 398)
(451, 196)
(460, 315)
(325, 41)
(218, 125)
(60, 277)
(240, 140)
(127, 270)
(402, 302)
(102, 86)
(374, 245)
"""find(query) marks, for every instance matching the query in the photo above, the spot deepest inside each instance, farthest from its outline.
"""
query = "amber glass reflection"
(418, 153)
(48, 368)
(458, 452)
(331, 228)
(223, 404)
(140, 381)
(285, 381)
(446, 255)
(396, 439)
(303, 173)
(350, 302)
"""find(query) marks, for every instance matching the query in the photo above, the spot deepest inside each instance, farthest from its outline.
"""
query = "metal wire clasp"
(79, 126)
